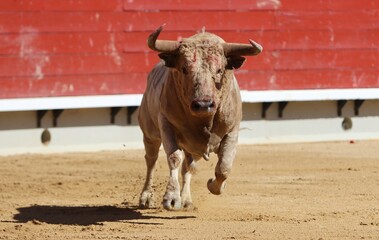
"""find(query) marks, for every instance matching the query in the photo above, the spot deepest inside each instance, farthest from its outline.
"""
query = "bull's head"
(202, 66)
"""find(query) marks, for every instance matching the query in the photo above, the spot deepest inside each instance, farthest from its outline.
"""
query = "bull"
(192, 106)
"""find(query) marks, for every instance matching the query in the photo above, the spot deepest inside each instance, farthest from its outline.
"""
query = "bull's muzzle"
(203, 106)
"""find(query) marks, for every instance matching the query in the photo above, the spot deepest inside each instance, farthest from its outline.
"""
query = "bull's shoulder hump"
(157, 75)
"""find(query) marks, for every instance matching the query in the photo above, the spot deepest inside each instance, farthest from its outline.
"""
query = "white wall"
(90, 129)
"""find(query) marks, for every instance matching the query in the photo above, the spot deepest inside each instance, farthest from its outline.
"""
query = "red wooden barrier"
(95, 47)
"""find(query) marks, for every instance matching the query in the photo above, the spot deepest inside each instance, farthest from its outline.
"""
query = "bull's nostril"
(199, 105)
(195, 106)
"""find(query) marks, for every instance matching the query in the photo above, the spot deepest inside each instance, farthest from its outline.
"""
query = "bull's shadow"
(85, 215)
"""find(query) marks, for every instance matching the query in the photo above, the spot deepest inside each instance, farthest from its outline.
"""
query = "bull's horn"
(238, 49)
(161, 45)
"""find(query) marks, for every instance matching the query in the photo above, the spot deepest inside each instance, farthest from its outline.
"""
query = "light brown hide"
(191, 105)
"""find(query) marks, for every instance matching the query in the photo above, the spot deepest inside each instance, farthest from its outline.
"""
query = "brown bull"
(192, 105)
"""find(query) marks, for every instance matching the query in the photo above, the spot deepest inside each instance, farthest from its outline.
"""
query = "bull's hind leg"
(151, 156)
(188, 168)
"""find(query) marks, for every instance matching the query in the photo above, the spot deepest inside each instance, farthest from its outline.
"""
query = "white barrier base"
(91, 129)
(99, 138)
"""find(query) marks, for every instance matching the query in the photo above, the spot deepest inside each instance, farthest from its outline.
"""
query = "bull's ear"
(235, 62)
(169, 59)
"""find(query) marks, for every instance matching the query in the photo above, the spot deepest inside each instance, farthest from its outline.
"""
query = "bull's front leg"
(226, 155)
(188, 168)
(171, 199)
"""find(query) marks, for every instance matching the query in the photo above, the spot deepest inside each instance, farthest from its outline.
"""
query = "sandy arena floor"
(294, 191)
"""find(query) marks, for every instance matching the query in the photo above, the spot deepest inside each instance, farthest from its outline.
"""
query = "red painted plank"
(200, 5)
(326, 59)
(179, 5)
(188, 21)
(328, 20)
(280, 39)
(344, 5)
(323, 39)
(67, 43)
(43, 65)
(307, 79)
(60, 5)
(134, 21)
(103, 42)
(77, 85)
(135, 83)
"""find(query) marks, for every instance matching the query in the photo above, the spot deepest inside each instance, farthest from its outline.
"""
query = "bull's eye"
(219, 71)
(218, 85)
(184, 70)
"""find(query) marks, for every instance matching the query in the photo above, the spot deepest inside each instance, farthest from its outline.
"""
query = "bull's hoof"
(172, 201)
(146, 200)
(215, 187)
(188, 206)
(172, 204)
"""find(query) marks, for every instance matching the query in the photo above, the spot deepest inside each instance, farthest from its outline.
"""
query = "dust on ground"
(288, 191)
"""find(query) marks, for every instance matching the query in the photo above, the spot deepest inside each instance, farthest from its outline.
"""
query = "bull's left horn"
(239, 49)
(161, 45)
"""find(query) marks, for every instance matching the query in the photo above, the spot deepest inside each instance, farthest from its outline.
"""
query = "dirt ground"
(293, 191)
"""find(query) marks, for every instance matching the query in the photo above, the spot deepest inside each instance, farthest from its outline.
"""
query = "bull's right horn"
(239, 49)
(161, 45)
